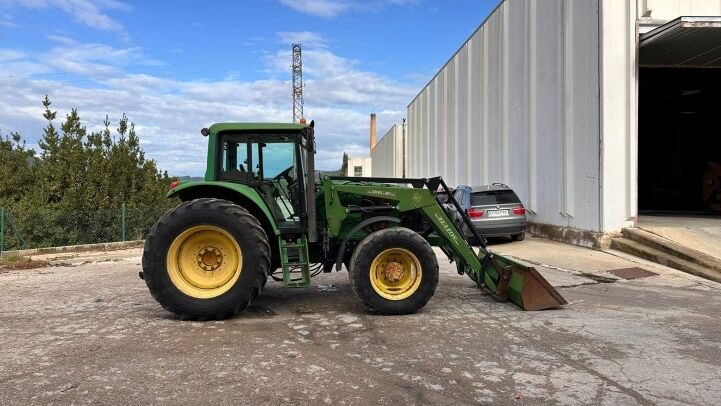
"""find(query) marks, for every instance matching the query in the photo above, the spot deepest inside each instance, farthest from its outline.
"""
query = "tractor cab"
(272, 159)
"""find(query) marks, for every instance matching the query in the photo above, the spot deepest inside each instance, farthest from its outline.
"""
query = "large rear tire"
(394, 271)
(206, 259)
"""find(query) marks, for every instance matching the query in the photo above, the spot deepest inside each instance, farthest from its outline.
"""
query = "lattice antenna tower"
(297, 69)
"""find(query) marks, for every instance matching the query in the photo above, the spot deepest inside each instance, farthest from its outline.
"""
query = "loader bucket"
(521, 284)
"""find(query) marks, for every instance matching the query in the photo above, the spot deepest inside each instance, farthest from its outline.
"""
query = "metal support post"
(122, 221)
(2, 230)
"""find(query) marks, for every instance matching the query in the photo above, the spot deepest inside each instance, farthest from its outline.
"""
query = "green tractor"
(260, 212)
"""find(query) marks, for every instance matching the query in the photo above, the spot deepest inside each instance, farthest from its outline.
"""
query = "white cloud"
(319, 8)
(170, 113)
(6, 20)
(307, 38)
(70, 56)
(92, 13)
(7, 55)
(333, 8)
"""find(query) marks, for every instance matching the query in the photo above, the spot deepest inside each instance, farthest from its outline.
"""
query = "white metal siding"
(387, 156)
(619, 45)
(667, 10)
(519, 104)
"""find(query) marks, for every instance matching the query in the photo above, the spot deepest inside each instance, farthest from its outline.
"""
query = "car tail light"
(474, 213)
(519, 210)
(173, 184)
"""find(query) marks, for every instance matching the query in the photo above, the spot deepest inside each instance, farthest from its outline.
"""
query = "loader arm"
(507, 278)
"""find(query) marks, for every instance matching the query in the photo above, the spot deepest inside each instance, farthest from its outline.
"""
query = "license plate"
(497, 213)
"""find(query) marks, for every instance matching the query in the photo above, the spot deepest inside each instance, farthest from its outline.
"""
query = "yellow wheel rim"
(204, 261)
(396, 274)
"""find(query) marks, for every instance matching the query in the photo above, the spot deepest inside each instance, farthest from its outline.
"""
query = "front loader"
(260, 212)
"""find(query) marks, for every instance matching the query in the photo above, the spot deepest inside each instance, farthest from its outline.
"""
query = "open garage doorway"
(679, 140)
(679, 133)
(679, 118)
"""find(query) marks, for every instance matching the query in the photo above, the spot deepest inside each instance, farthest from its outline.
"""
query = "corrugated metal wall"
(387, 156)
(519, 104)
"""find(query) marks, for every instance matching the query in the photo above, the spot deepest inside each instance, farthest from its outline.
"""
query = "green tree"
(50, 184)
(74, 191)
(16, 169)
(344, 167)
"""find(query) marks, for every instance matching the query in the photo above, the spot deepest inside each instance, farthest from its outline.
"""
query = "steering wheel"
(285, 174)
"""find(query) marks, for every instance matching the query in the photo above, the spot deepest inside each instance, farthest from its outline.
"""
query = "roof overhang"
(686, 42)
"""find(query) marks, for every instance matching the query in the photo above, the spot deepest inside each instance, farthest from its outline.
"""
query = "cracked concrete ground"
(86, 330)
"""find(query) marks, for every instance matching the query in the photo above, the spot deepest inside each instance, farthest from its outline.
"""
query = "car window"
(463, 196)
(494, 197)
(442, 197)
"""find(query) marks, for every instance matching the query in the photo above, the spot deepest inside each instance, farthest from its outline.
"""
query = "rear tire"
(206, 259)
(519, 237)
(376, 276)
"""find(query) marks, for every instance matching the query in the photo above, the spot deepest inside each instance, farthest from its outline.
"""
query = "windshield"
(277, 158)
(493, 197)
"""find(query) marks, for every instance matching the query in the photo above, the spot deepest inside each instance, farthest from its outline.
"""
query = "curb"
(74, 248)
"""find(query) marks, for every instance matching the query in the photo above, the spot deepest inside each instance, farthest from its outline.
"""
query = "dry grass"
(15, 262)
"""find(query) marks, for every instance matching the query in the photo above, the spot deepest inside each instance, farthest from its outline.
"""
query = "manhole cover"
(632, 273)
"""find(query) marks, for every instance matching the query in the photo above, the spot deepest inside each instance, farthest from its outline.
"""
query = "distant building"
(360, 167)
(388, 155)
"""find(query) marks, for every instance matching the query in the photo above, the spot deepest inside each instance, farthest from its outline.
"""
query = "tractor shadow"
(498, 241)
(327, 292)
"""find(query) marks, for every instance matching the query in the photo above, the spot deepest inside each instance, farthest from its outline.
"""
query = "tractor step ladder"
(294, 256)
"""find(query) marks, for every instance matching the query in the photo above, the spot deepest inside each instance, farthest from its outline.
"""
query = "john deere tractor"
(263, 211)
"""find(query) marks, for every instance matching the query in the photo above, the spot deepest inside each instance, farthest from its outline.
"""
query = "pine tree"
(50, 185)
(50, 141)
(73, 156)
(74, 192)
(344, 167)
(17, 164)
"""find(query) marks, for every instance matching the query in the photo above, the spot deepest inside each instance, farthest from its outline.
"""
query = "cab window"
(257, 158)
(277, 158)
(269, 163)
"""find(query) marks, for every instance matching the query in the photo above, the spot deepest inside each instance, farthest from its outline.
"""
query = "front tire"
(206, 259)
(394, 271)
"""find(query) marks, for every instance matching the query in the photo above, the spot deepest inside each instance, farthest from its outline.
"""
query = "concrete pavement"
(86, 331)
(702, 232)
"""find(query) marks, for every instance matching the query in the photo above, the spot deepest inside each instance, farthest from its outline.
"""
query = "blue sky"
(177, 66)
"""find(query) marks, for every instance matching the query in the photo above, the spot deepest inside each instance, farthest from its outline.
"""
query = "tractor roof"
(218, 127)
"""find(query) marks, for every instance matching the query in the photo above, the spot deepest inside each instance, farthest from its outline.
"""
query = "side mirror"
(205, 132)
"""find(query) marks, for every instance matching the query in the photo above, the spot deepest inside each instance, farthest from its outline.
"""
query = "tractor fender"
(364, 223)
(240, 194)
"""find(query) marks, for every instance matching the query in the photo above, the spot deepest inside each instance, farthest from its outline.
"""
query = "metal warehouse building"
(590, 109)
(387, 155)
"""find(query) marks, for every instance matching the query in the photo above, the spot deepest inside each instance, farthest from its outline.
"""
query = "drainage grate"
(632, 273)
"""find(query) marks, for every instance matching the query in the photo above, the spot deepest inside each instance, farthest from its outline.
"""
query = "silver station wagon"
(495, 210)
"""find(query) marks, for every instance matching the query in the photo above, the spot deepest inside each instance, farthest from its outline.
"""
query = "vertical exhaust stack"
(374, 132)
